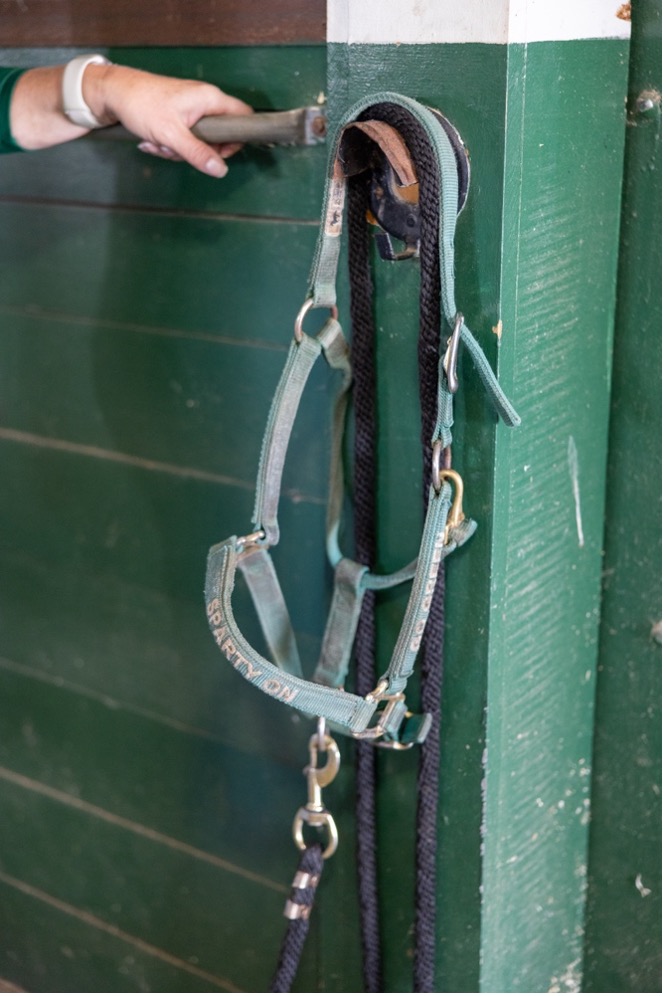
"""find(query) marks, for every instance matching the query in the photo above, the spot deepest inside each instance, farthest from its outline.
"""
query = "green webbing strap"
(434, 541)
(257, 568)
(336, 648)
(348, 711)
(282, 677)
(300, 361)
(324, 268)
(301, 358)
(352, 580)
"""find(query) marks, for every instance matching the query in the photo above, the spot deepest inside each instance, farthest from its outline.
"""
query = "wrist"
(98, 83)
(84, 92)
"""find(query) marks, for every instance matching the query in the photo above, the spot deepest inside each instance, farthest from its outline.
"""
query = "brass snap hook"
(314, 813)
(456, 516)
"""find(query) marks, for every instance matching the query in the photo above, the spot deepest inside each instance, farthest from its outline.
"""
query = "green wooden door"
(144, 319)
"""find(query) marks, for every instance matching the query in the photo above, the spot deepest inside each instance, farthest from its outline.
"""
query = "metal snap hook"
(456, 516)
(314, 813)
(450, 361)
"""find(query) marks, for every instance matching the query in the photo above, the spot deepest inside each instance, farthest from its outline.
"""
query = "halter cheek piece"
(382, 715)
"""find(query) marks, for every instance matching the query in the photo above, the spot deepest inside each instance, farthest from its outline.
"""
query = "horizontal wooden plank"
(171, 22)
(198, 913)
(52, 948)
(278, 182)
(237, 279)
(194, 404)
(189, 793)
(262, 182)
(114, 556)
(137, 524)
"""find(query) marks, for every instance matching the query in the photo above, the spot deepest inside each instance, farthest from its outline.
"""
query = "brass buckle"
(374, 733)
(252, 539)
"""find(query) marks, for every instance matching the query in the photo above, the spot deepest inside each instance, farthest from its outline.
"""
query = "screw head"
(648, 104)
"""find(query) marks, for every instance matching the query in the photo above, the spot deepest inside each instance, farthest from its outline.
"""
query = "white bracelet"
(73, 103)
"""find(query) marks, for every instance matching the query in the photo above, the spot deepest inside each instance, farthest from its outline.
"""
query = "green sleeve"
(8, 78)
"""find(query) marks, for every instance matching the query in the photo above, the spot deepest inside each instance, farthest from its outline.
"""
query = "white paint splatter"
(569, 981)
(643, 889)
(573, 471)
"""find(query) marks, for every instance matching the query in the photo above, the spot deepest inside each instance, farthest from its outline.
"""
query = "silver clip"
(450, 361)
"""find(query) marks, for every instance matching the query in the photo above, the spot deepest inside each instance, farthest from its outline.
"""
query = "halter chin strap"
(382, 715)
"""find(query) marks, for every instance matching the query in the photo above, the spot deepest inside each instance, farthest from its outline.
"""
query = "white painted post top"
(498, 22)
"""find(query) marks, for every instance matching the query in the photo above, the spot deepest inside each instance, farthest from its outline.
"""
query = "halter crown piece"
(382, 715)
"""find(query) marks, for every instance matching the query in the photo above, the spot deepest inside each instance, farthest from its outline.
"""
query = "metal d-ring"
(437, 452)
(298, 324)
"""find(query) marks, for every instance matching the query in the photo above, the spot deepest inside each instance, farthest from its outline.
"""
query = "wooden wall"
(145, 312)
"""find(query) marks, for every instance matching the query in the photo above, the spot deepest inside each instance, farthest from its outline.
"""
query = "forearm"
(36, 114)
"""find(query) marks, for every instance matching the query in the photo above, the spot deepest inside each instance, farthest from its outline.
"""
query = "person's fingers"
(228, 149)
(163, 151)
(224, 151)
(196, 153)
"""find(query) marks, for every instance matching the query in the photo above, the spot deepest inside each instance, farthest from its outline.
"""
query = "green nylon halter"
(383, 713)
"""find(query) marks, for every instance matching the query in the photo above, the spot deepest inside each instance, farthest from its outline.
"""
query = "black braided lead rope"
(364, 396)
(425, 935)
(297, 910)
(431, 668)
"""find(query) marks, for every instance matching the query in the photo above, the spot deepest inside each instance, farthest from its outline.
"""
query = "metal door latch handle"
(301, 126)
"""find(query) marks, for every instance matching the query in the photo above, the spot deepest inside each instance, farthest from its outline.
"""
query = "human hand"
(162, 110)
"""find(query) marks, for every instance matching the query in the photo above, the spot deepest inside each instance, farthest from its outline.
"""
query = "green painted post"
(623, 929)
(563, 175)
(540, 105)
